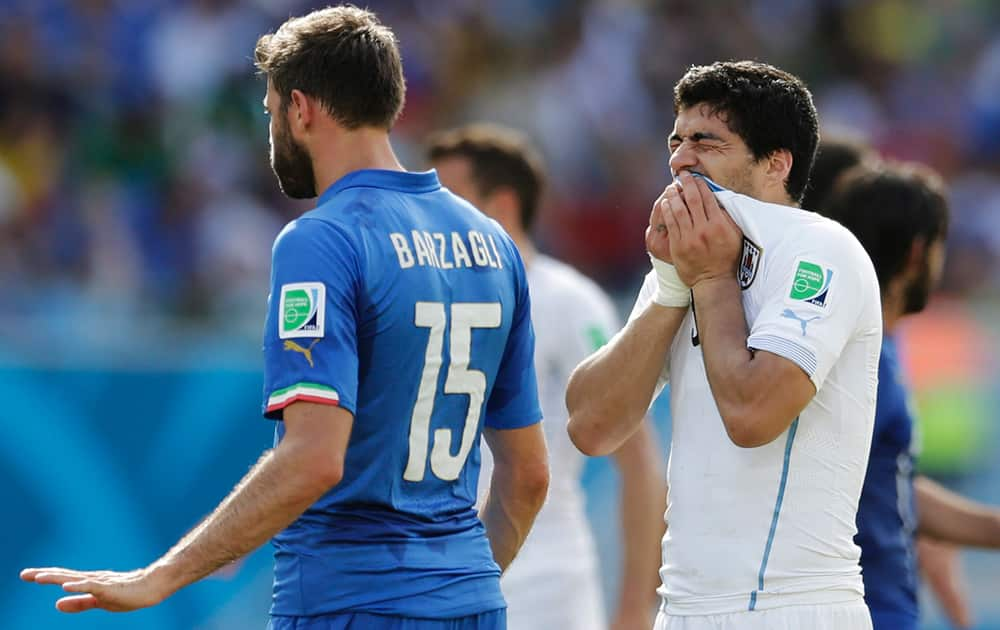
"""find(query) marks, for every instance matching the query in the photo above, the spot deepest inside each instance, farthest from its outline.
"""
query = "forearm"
(609, 393)
(643, 502)
(947, 516)
(508, 515)
(270, 497)
(758, 393)
(722, 330)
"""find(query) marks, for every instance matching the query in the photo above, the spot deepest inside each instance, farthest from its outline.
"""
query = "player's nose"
(683, 157)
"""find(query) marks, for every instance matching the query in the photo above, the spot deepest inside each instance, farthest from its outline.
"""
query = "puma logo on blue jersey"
(306, 352)
(790, 314)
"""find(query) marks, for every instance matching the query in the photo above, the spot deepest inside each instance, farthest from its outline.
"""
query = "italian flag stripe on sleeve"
(309, 392)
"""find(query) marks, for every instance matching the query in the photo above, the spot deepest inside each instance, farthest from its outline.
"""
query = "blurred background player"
(555, 581)
(369, 490)
(900, 214)
(893, 595)
(835, 155)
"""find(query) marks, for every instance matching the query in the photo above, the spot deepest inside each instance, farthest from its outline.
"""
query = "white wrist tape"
(670, 291)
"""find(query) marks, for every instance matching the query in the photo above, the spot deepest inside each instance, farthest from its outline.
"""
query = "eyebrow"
(698, 136)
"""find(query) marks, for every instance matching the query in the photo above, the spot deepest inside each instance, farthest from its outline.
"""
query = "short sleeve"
(310, 336)
(813, 304)
(513, 403)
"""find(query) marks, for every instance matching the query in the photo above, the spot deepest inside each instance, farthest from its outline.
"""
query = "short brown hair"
(499, 157)
(342, 56)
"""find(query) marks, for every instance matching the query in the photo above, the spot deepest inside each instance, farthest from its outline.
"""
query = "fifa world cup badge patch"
(301, 310)
(749, 262)
(811, 284)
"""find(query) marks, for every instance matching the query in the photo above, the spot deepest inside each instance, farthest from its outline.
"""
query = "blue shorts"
(492, 620)
(893, 620)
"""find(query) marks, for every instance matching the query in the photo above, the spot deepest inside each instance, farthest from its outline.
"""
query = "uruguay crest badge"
(749, 262)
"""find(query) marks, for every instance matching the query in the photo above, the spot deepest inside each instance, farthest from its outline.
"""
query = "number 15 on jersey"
(460, 380)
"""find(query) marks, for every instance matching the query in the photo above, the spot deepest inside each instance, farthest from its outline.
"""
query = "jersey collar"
(403, 181)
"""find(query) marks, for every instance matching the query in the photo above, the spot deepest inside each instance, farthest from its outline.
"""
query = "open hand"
(705, 242)
(940, 566)
(108, 590)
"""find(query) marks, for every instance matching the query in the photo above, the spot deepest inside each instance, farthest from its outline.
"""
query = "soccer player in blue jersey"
(501, 174)
(900, 215)
(398, 332)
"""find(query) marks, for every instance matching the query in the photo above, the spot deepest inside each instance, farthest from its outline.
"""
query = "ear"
(505, 207)
(301, 111)
(916, 257)
(779, 165)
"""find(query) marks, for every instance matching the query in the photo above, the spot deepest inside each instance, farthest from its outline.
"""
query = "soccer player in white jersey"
(770, 342)
(555, 581)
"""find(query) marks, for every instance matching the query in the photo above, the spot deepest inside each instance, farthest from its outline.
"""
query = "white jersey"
(758, 528)
(555, 581)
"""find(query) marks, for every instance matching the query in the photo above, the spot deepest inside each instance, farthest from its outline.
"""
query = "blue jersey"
(887, 512)
(406, 306)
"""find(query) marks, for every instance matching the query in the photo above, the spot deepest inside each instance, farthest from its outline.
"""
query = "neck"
(351, 151)
(767, 194)
(524, 245)
(778, 196)
(892, 309)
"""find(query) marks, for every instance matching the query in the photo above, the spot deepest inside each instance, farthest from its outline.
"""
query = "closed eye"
(701, 141)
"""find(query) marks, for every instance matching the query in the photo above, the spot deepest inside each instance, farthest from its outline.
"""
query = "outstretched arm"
(950, 517)
(939, 563)
(282, 485)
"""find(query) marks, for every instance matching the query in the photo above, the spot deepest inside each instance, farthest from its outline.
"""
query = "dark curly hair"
(768, 108)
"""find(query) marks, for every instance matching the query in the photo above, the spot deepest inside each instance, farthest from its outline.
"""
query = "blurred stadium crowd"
(136, 195)
(134, 178)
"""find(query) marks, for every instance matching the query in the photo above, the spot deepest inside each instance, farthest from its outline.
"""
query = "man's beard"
(738, 180)
(742, 181)
(293, 167)
(918, 292)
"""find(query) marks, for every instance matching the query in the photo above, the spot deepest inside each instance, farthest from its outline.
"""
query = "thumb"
(949, 593)
(955, 606)
(76, 603)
